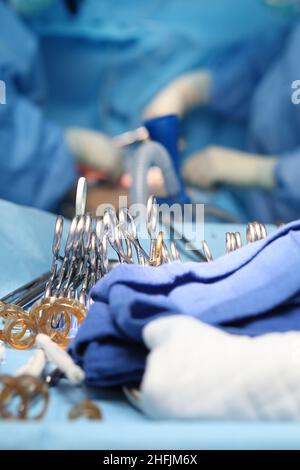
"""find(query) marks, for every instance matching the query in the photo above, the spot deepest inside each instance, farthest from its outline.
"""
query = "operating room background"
(106, 63)
(102, 66)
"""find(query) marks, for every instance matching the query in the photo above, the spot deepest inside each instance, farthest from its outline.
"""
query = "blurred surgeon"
(38, 159)
(253, 85)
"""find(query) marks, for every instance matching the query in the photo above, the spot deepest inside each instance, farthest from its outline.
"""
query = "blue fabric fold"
(252, 291)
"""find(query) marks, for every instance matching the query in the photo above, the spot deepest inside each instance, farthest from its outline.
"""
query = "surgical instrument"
(140, 134)
(233, 240)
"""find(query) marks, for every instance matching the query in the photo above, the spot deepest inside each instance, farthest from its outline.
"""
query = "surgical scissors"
(58, 300)
(233, 240)
(174, 252)
(129, 228)
(120, 237)
(116, 235)
(110, 223)
(102, 249)
(25, 295)
(151, 220)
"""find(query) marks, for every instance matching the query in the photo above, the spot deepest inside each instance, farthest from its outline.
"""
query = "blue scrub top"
(36, 168)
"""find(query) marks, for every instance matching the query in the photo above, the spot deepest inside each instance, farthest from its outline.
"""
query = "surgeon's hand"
(95, 150)
(223, 165)
(181, 95)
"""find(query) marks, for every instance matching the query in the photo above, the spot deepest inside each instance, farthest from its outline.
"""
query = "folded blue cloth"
(252, 291)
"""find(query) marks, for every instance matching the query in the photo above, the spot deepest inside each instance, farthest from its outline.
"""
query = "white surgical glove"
(95, 150)
(181, 95)
(222, 165)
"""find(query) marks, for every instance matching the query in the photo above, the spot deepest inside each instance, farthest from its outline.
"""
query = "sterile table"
(122, 426)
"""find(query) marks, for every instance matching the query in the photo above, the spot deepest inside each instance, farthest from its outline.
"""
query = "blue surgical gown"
(252, 87)
(36, 168)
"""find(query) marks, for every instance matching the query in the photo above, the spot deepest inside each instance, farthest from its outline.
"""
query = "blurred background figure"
(249, 87)
(106, 63)
(38, 164)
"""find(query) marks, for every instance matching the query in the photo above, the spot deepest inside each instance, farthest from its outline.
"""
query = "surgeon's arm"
(279, 174)
(219, 165)
(182, 95)
(227, 86)
(94, 149)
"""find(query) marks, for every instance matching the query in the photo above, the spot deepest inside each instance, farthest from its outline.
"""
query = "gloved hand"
(222, 165)
(95, 150)
(181, 95)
